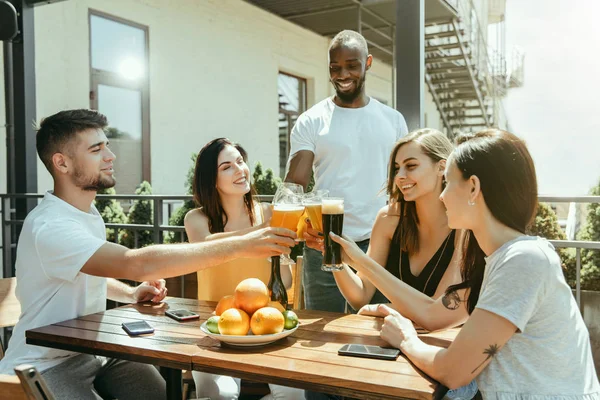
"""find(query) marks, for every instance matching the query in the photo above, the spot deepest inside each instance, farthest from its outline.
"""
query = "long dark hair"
(508, 183)
(204, 186)
(434, 145)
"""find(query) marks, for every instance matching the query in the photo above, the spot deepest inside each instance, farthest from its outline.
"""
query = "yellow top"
(221, 280)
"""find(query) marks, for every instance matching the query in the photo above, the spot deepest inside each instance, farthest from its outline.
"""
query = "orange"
(266, 321)
(251, 294)
(225, 303)
(234, 322)
(277, 305)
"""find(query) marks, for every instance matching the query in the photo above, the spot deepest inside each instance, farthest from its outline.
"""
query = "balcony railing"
(164, 206)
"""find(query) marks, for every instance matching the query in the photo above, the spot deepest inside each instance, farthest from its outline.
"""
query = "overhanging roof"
(328, 17)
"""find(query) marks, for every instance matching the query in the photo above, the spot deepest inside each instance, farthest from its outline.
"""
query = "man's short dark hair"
(349, 37)
(57, 131)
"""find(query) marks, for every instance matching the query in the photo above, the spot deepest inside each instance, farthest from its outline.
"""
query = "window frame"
(102, 77)
(289, 115)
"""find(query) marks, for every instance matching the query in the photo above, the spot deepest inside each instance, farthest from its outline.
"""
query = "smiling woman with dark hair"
(226, 207)
(524, 337)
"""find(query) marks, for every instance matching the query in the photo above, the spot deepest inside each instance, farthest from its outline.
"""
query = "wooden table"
(306, 359)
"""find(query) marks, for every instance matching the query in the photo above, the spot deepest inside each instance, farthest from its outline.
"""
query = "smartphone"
(182, 315)
(368, 351)
(137, 328)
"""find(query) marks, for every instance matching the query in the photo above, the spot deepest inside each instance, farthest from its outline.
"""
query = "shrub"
(140, 213)
(546, 225)
(178, 216)
(265, 183)
(111, 212)
(590, 259)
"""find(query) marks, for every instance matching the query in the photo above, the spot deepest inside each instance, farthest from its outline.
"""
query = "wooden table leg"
(173, 378)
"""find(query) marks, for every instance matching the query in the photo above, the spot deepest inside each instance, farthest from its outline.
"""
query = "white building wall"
(213, 72)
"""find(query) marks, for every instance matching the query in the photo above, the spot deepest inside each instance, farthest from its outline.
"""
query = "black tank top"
(429, 278)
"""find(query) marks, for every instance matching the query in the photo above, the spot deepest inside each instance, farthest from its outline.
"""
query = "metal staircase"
(465, 78)
(455, 80)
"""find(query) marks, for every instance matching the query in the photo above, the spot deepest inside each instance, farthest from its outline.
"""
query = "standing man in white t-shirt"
(347, 140)
(64, 260)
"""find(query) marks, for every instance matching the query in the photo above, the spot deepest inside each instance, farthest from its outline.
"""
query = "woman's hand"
(396, 329)
(313, 238)
(352, 253)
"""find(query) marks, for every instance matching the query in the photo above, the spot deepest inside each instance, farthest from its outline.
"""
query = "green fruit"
(212, 324)
(291, 319)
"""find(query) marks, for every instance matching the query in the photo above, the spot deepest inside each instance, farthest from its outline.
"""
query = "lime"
(291, 319)
(212, 324)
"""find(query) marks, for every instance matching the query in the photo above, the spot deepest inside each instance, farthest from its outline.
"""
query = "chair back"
(296, 292)
(10, 308)
(33, 384)
(11, 388)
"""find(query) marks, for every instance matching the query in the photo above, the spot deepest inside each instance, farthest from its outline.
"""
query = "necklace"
(436, 264)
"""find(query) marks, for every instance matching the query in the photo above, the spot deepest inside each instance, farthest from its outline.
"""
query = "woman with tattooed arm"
(524, 337)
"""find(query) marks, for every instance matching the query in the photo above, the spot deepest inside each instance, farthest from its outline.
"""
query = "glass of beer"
(287, 210)
(333, 221)
(313, 202)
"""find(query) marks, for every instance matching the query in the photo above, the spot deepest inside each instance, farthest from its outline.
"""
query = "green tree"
(546, 225)
(590, 259)
(111, 212)
(178, 216)
(114, 133)
(139, 213)
(265, 183)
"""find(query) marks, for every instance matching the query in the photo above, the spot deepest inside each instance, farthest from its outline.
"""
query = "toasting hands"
(268, 242)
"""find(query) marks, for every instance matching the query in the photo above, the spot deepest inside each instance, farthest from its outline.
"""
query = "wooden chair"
(10, 309)
(28, 384)
(296, 292)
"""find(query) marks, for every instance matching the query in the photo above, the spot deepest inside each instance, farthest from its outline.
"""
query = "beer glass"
(287, 210)
(313, 202)
(333, 221)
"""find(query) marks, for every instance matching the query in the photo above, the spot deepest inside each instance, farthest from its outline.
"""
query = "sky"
(557, 111)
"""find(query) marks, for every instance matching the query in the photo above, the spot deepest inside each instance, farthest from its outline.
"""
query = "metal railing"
(576, 244)
(163, 208)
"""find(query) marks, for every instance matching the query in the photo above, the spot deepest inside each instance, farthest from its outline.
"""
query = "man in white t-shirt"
(347, 140)
(65, 267)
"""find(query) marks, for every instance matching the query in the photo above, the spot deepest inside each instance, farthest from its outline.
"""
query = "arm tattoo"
(451, 301)
(489, 352)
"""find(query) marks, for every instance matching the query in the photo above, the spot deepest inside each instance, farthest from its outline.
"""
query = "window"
(292, 103)
(119, 90)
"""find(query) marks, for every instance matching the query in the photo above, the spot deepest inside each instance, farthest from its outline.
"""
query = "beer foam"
(288, 207)
(333, 206)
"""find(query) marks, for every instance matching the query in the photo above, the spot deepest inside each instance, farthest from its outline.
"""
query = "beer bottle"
(276, 287)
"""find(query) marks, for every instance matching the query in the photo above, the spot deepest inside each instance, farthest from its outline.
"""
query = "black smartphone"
(137, 328)
(182, 315)
(368, 351)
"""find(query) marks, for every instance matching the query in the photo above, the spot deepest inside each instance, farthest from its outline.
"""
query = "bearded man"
(347, 140)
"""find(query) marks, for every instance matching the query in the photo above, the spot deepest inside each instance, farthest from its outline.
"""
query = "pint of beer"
(333, 221)
(313, 211)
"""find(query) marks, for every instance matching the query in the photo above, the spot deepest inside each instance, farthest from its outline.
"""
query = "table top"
(306, 359)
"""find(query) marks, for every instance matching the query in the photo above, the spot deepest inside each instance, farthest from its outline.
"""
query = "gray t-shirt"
(550, 356)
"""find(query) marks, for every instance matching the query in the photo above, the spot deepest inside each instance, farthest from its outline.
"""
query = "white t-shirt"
(56, 241)
(550, 356)
(352, 147)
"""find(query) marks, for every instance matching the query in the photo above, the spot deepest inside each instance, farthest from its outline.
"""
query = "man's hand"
(313, 238)
(268, 242)
(154, 291)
